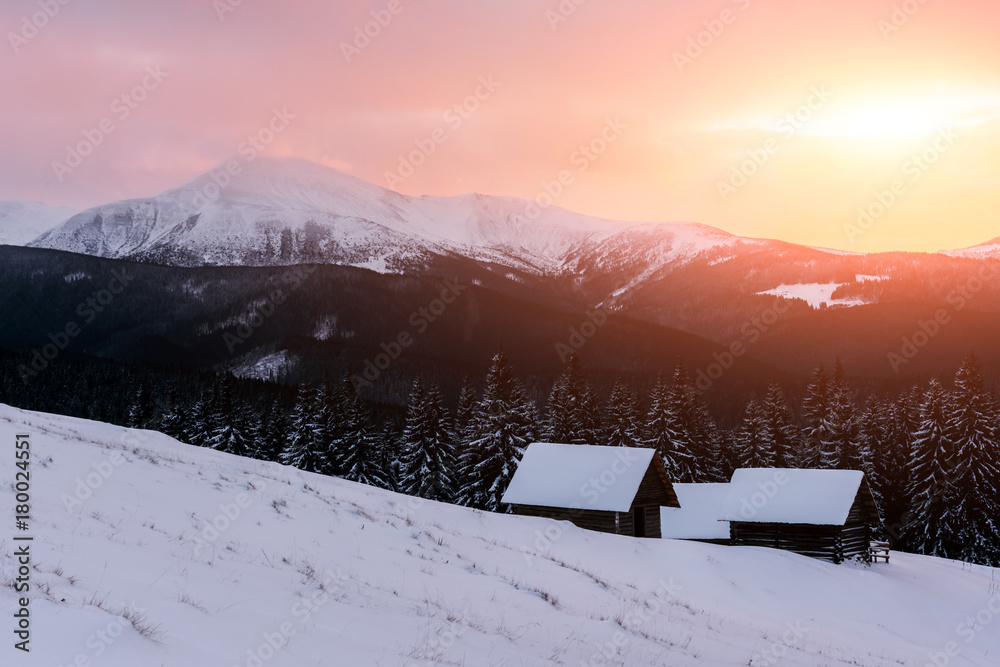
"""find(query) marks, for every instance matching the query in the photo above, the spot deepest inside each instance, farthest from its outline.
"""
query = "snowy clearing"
(147, 551)
(815, 294)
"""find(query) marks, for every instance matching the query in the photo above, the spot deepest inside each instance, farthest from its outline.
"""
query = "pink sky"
(684, 129)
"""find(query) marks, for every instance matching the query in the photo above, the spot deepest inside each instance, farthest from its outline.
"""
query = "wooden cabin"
(610, 489)
(826, 514)
(697, 518)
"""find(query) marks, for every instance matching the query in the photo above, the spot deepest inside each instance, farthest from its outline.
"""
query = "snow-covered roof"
(587, 477)
(781, 495)
(698, 516)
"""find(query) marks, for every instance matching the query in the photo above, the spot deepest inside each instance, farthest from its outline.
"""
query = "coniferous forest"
(929, 453)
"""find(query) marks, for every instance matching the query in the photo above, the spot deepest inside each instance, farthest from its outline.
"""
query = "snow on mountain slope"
(988, 250)
(151, 552)
(287, 211)
(815, 294)
(23, 221)
(642, 252)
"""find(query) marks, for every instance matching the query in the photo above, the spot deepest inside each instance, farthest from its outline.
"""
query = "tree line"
(930, 454)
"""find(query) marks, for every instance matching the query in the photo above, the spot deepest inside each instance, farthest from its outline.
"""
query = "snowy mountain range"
(289, 211)
(23, 221)
(147, 551)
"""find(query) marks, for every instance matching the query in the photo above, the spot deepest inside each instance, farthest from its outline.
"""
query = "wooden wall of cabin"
(823, 542)
(651, 492)
(590, 519)
(596, 520)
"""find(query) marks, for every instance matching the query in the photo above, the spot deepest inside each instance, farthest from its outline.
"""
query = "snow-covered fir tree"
(305, 448)
(359, 454)
(815, 411)
(621, 417)
(502, 427)
(779, 429)
(838, 442)
(427, 466)
(752, 447)
(226, 428)
(973, 431)
(573, 416)
(929, 526)
(679, 428)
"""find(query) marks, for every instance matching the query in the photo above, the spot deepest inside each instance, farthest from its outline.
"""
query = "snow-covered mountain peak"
(279, 211)
(287, 183)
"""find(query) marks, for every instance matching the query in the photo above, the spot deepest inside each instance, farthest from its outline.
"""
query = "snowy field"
(149, 552)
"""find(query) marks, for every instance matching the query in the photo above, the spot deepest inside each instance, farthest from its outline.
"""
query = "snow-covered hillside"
(23, 221)
(988, 250)
(151, 552)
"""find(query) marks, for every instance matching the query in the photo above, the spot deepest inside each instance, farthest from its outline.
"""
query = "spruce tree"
(664, 433)
(360, 455)
(573, 414)
(428, 459)
(752, 448)
(780, 431)
(976, 467)
(226, 426)
(304, 447)
(839, 445)
(815, 410)
(502, 427)
(621, 418)
(929, 528)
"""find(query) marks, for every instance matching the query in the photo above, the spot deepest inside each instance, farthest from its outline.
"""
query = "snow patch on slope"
(988, 250)
(815, 294)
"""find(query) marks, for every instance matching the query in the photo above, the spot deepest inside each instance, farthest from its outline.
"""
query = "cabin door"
(639, 522)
